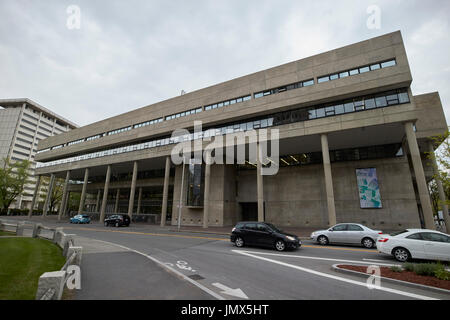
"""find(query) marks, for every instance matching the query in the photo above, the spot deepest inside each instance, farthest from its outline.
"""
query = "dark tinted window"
(415, 236)
(341, 227)
(354, 227)
(398, 233)
(428, 236)
(239, 226)
(250, 226)
(262, 227)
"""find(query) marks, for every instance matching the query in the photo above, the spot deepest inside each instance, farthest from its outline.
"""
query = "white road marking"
(231, 292)
(316, 258)
(374, 260)
(195, 283)
(362, 284)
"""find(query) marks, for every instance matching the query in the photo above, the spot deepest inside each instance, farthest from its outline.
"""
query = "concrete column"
(442, 197)
(420, 176)
(35, 194)
(260, 185)
(133, 189)
(105, 194)
(138, 211)
(206, 194)
(62, 208)
(116, 206)
(165, 193)
(328, 180)
(83, 191)
(66, 203)
(49, 195)
(97, 204)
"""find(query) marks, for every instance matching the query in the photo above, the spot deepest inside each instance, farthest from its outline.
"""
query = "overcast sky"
(129, 54)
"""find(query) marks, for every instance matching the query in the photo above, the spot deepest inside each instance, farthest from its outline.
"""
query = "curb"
(219, 233)
(390, 280)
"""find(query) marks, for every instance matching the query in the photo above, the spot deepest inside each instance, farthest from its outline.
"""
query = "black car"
(263, 234)
(118, 220)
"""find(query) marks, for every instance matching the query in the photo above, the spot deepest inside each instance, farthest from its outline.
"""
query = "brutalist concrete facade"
(131, 146)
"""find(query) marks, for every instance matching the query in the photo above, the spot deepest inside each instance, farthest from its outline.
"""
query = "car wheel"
(239, 242)
(401, 254)
(280, 245)
(117, 224)
(368, 243)
(322, 240)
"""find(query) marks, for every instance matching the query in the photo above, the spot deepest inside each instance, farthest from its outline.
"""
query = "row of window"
(228, 102)
(292, 86)
(94, 137)
(273, 120)
(351, 106)
(184, 113)
(147, 123)
(355, 71)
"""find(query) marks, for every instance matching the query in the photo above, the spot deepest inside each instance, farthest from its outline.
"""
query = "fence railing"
(51, 284)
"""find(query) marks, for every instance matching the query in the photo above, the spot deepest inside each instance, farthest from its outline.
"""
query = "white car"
(347, 233)
(416, 244)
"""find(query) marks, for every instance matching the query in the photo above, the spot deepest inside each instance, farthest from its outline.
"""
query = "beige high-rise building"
(23, 123)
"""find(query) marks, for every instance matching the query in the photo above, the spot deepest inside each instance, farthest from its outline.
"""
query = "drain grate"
(196, 277)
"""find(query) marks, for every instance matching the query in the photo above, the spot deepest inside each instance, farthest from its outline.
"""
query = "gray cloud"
(129, 54)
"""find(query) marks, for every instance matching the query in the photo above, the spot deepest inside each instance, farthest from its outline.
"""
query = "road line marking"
(162, 264)
(315, 258)
(374, 260)
(363, 284)
(346, 249)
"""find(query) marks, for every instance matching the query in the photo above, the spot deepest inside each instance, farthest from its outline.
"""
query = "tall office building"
(23, 123)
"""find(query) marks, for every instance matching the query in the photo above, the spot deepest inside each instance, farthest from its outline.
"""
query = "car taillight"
(380, 232)
(383, 240)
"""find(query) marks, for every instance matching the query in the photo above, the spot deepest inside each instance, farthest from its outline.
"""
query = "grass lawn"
(22, 262)
(6, 233)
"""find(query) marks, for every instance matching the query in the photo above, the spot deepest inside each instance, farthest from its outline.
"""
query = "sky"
(130, 54)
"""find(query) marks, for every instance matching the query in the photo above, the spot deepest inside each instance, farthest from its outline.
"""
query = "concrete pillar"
(442, 197)
(62, 207)
(83, 191)
(206, 194)
(138, 211)
(116, 206)
(165, 192)
(105, 194)
(97, 204)
(420, 176)
(35, 194)
(66, 202)
(260, 185)
(133, 189)
(49, 195)
(328, 180)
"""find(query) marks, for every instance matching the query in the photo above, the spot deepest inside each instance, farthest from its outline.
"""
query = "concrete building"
(23, 123)
(352, 143)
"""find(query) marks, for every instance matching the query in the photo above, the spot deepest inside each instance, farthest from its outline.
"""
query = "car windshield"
(274, 228)
(393, 234)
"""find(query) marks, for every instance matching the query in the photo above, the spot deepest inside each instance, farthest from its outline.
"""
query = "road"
(218, 270)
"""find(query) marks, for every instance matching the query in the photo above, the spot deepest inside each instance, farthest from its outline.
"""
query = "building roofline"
(20, 101)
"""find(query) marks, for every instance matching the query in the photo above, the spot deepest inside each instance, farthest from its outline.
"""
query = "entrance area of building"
(249, 211)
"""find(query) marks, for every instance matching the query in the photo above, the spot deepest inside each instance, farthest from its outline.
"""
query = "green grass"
(22, 262)
(6, 233)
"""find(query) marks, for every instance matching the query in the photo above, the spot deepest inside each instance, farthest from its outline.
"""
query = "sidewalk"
(110, 272)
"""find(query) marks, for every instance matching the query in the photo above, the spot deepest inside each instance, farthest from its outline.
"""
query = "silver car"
(348, 233)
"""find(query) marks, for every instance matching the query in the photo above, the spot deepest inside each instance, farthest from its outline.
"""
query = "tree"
(442, 159)
(57, 192)
(13, 177)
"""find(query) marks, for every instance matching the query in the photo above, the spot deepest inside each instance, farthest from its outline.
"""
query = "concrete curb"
(389, 280)
(218, 233)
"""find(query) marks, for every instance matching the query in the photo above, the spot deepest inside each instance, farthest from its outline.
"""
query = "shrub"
(442, 274)
(427, 269)
(396, 269)
(408, 266)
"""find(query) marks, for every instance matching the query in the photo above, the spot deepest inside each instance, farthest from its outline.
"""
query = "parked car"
(347, 233)
(416, 244)
(263, 234)
(118, 220)
(80, 218)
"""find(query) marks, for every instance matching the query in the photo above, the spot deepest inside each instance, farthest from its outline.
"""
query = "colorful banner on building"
(369, 191)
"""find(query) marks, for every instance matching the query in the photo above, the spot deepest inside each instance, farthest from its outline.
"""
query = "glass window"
(266, 93)
(308, 83)
(359, 105)
(329, 111)
(381, 101)
(264, 123)
(320, 112)
(312, 114)
(375, 67)
(343, 74)
(247, 98)
(415, 236)
(334, 77)
(220, 105)
(258, 95)
(339, 109)
(370, 103)
(403, 97)
(239, 100)
(226, 103)
(208, 108)
(349, 107)
(340, 227)
(250, 226)
(387, 64)
(354, 227)
(436, 237)
(323, 79)
(354, 72)
(290, 87)
(364, 69)
(233, 101)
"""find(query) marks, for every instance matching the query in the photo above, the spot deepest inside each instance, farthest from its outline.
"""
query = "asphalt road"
(219, 270)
